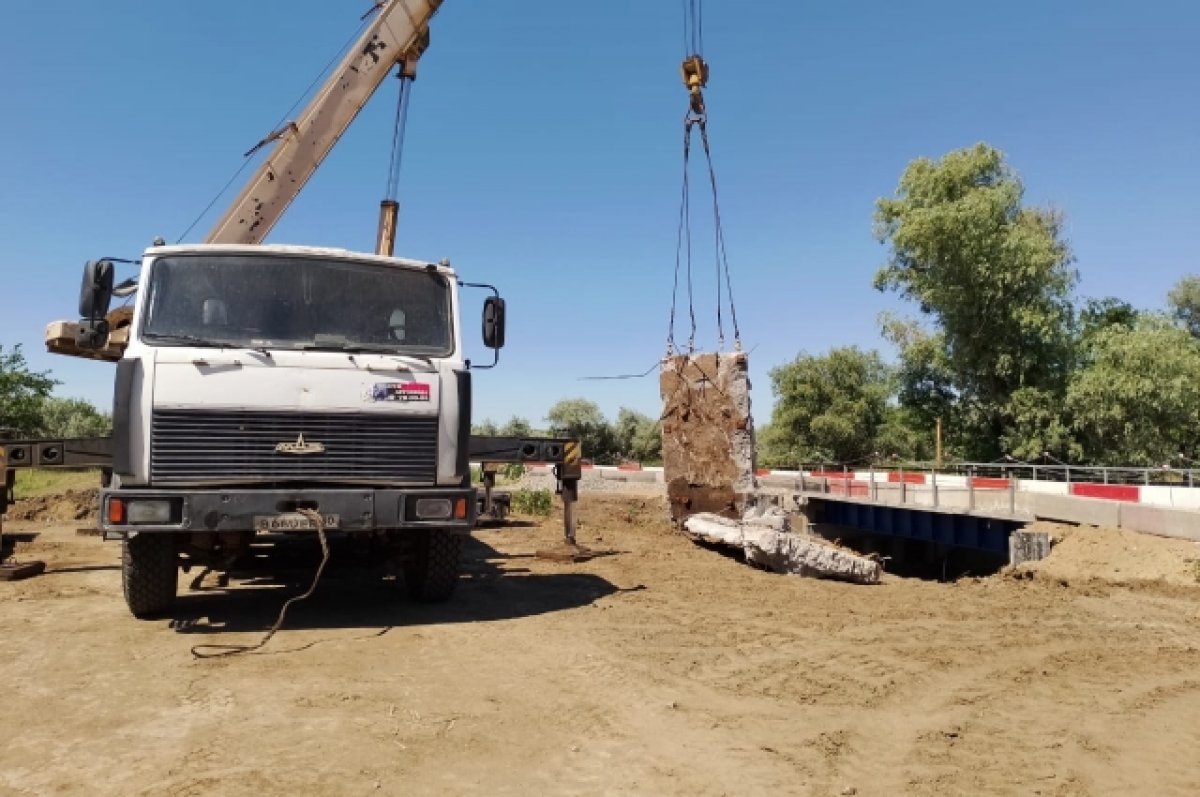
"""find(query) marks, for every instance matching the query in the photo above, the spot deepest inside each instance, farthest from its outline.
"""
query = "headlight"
(142, 511)
(433, 509)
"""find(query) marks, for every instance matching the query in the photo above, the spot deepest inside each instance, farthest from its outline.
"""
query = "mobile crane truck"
(259, 384)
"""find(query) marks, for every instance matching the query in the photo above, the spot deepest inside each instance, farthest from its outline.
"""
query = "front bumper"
(235, 510)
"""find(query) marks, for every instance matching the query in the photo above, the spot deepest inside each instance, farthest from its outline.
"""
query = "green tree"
(828, 407)
(517, 427)
(1036, 424)
(22, 392)
(901, 437)
(1184, 301)
(1137, 401)
(68, 417)
(638, 436)
(926, 394)
(1096, 314)
(583, 419)
(993, 277)
(485, 428)
(773, 449)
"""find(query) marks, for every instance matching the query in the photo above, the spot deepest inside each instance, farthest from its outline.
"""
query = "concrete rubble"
(766, 538)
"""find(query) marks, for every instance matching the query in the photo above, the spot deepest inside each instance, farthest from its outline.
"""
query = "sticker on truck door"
(400, 391)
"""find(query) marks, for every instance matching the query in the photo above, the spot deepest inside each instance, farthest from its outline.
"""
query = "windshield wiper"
(352, 349)
(344, 349)
(199, 341)
(193, 339)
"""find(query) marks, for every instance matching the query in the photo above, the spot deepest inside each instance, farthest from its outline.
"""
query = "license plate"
(292, 521)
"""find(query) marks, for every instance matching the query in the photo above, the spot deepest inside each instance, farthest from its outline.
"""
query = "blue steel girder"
(974, 532)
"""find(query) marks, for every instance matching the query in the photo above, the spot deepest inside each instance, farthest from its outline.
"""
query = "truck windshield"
(297, 302)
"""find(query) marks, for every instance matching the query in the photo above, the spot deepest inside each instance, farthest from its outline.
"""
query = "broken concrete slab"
(716, 529)
(724, 531)
(809, 556)
(707, 434)
(769, 516)
(766, 540)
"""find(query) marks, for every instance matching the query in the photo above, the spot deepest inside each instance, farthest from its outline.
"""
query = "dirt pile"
(1116, 556)
(58, 508)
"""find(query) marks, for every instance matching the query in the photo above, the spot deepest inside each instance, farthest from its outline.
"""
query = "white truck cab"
(261, 380)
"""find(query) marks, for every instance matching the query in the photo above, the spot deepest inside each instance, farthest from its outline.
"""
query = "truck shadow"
(492, 586)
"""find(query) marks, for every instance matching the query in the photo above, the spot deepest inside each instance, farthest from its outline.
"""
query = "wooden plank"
(61, 336)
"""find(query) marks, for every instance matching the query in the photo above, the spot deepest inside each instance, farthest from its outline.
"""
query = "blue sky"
(543, 155)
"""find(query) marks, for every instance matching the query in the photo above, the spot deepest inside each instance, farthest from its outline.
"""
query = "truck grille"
(189, 447)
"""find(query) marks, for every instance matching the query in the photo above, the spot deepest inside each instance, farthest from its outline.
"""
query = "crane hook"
(695, 78)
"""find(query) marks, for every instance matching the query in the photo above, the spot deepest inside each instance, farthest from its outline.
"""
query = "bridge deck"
(979, 530)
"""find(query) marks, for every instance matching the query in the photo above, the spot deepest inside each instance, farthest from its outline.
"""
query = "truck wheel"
(149, 571)
(431, 570)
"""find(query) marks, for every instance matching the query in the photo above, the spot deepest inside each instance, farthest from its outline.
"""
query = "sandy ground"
(665, 668)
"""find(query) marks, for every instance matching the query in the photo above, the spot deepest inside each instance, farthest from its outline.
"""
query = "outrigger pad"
(567, 553)
(13, 571)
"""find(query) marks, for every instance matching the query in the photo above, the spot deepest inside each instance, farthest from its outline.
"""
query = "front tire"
(431, 568)
(149, 573)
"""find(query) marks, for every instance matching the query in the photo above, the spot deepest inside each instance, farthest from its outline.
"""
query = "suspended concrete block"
(707, 434)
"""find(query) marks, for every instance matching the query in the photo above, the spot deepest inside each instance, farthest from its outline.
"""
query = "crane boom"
(399, 32)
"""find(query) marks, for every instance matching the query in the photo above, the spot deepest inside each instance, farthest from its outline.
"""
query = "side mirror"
(493, 322)
(95, 294)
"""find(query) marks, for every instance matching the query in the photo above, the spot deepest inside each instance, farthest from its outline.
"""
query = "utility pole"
(937, 455)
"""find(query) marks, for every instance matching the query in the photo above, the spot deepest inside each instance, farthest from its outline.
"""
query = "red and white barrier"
(857, 483)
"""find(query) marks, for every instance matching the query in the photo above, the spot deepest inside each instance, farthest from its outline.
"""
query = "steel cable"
(221, 651)
(695, 72)
(683, 246)
(683, 250)
(719, 234)
(398, 127)
(365, 20)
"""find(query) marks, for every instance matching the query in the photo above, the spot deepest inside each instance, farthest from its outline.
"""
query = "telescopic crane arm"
(399, 33)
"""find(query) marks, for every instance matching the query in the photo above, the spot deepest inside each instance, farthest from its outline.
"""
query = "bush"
(68, 417)
(532, 502)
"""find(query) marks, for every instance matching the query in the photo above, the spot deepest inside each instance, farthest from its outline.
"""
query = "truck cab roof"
(301, 251)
